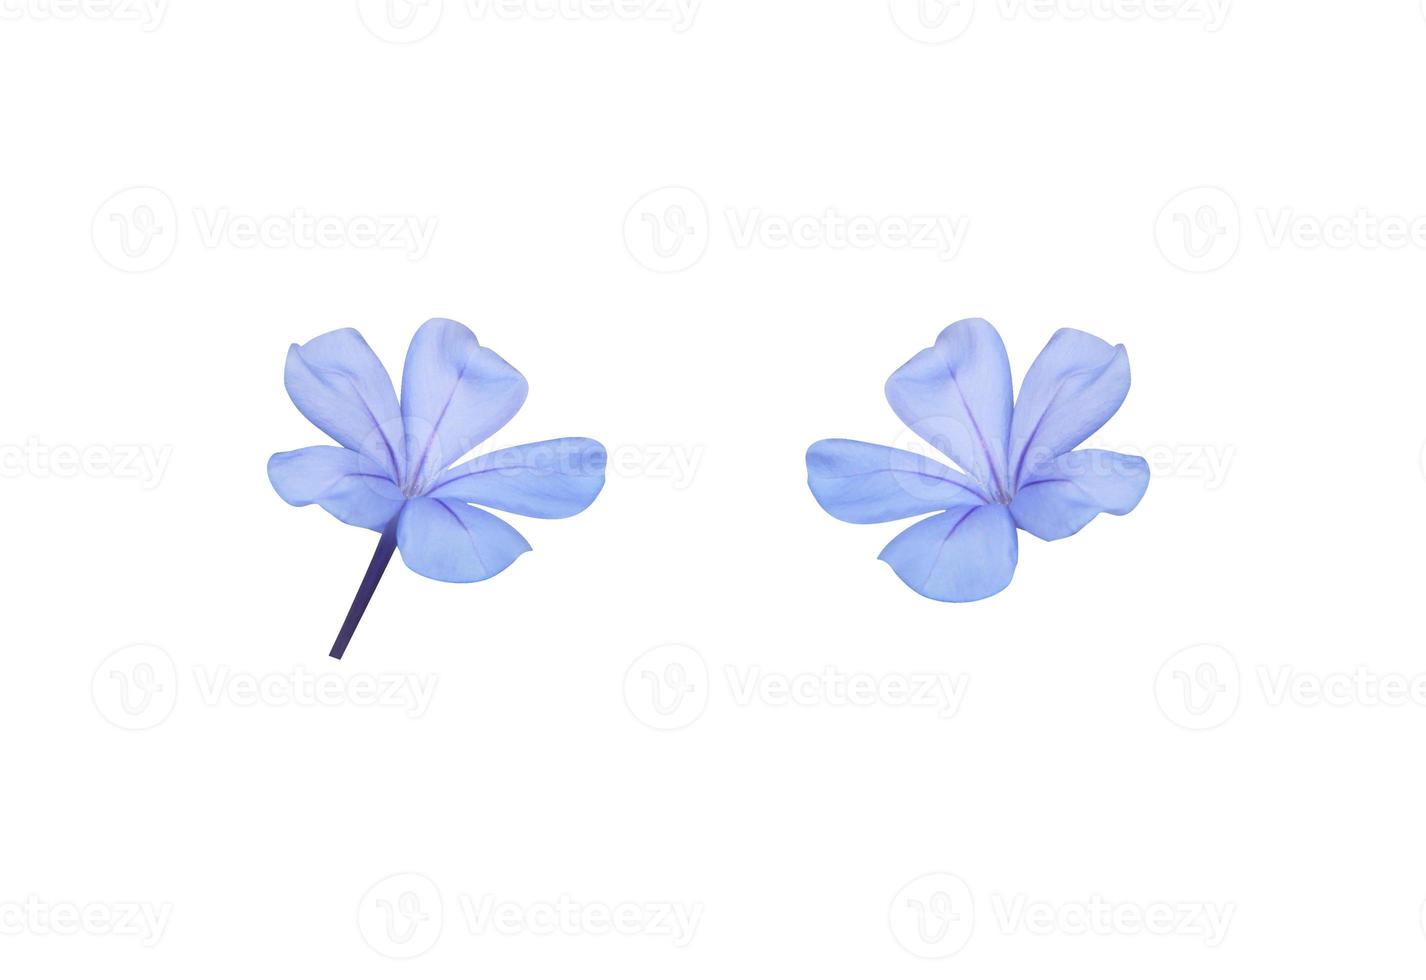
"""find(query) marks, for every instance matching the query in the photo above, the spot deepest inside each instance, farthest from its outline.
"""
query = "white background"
(1276, 392)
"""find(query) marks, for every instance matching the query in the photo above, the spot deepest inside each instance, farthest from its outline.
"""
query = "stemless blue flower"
(1017, 467)
(392, 472)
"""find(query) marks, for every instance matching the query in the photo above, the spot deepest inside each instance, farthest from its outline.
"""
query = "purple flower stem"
(384, 550)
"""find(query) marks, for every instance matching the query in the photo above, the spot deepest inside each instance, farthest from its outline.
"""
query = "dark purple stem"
(384, 550)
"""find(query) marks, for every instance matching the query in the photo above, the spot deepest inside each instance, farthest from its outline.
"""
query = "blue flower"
(392, 472)
(1017, 469)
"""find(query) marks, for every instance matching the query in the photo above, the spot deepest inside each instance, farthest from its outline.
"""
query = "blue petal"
(346, 484)
(963, 555)
(455, 542)
(339, 384)
(455, 394)
(1075, 488)
(558, 478)
(957, 396)
(1076, 384)
(862, 483)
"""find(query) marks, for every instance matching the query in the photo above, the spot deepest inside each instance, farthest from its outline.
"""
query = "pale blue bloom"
(392, 472)
(1017, 467)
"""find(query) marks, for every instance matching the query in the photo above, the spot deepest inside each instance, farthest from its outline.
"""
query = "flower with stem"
(392, 471)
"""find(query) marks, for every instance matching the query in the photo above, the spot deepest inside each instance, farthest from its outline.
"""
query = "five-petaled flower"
(392, 472)
(1015, 454)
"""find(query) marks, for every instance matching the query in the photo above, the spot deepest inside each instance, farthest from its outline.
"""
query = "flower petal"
(455, 542)
(339, 384)
(346, 484)
(1075, 488)
(1076, 384)
(957, 395)
(455, 394)
(862, 483)
(965, 554)
(558, 478)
